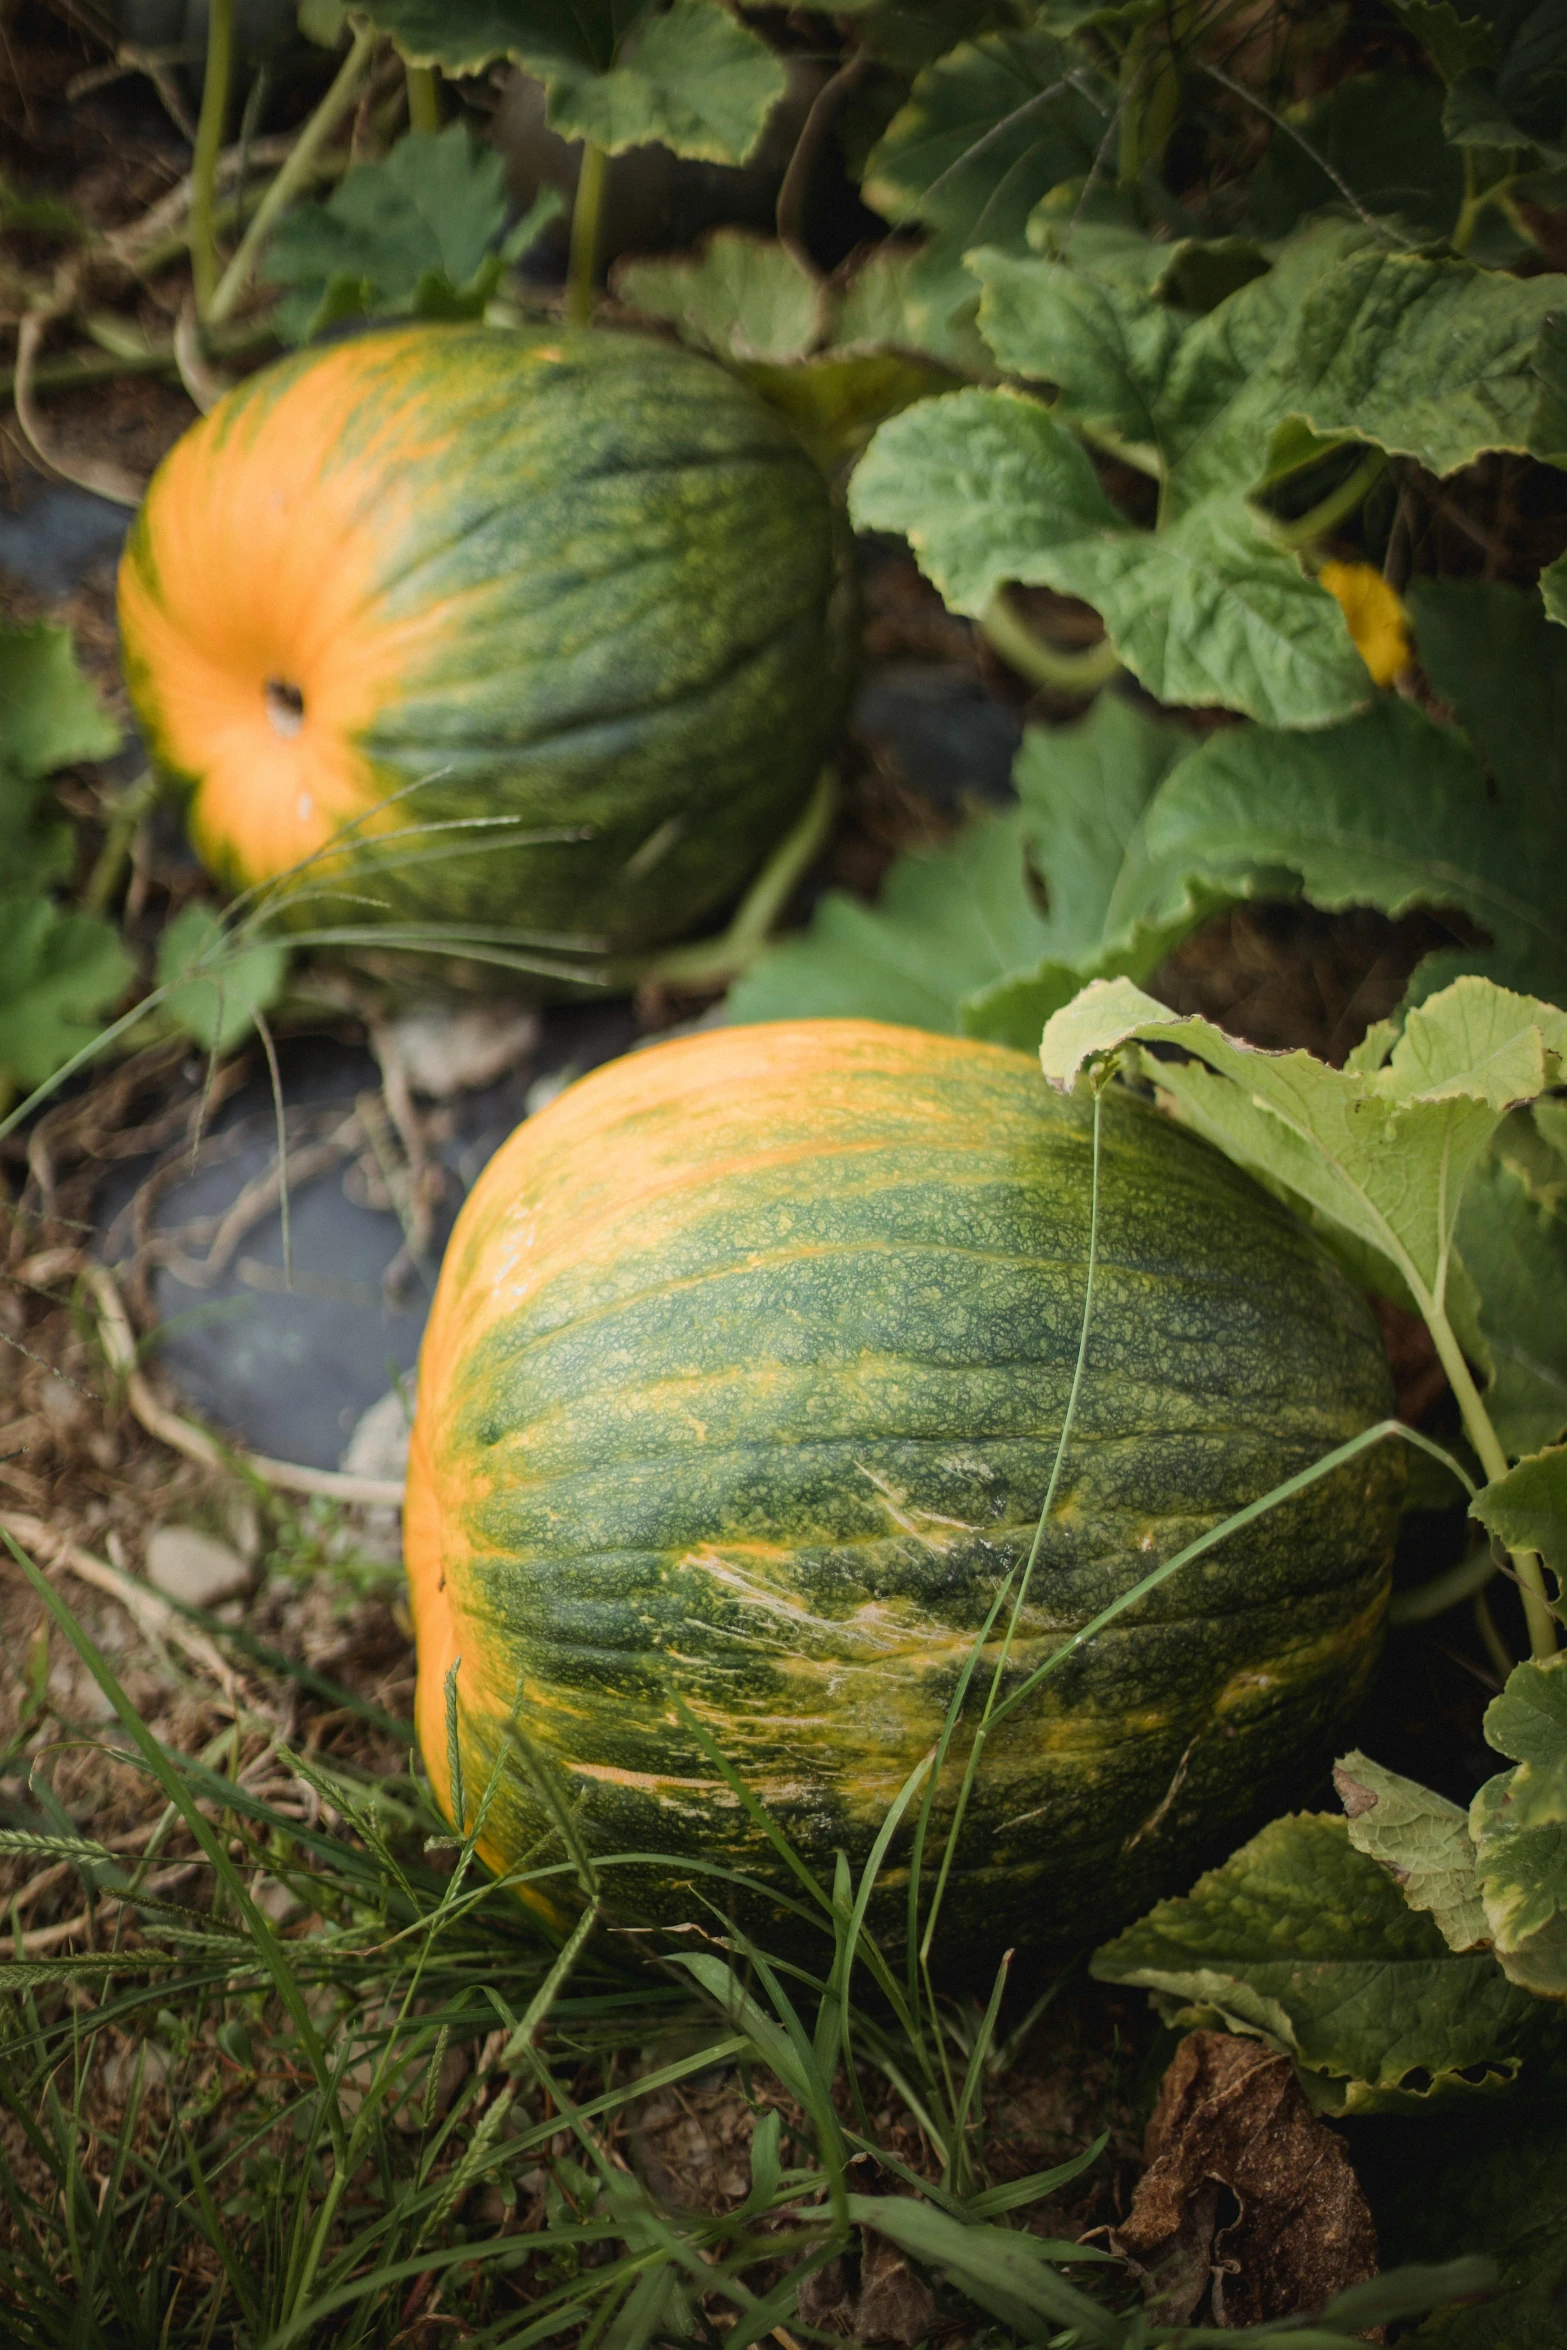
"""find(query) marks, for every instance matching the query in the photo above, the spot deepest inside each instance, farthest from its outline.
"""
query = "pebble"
(195, 1568)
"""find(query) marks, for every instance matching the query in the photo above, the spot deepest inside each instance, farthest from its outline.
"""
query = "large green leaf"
(1378, 134)
(619, 72)
(959, 942)
(49, 715)
(1308, 1944)
(743, 297)
(1210, 390)
(1519, 1824)
(413, 235)
(988, 487)
(550, 37)
(1340, 341)
(59, 973)
(1429, 359)
(1379, 1151)
(1527, 1508)
(1512, 1239)
(693, 78)
(216, 983)
(987, 132)
(1422, 1838)
(1389, 810)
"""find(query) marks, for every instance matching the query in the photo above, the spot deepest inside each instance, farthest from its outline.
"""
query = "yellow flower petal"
(1376, 617)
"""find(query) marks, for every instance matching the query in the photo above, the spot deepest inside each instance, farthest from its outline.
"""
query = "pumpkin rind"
(743, 1382)
(585, 584)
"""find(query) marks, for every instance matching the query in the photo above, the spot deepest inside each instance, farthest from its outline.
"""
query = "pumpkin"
(740, 1394)
(450, 625)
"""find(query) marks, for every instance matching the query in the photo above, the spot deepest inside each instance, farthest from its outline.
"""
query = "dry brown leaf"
(1248, 2209)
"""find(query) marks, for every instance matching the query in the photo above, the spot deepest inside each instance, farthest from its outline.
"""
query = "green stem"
(586, 216)
(1043, 664)
(296, 171)
(1481, 1434)
(712, 961)
(96, 367)
(209, 140)
(1332, 510)
(124, 817)
(424, 98)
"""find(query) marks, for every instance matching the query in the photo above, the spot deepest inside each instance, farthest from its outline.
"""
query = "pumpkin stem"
(1081, 671)
(209, 138)
(586, 214)
(424, 98)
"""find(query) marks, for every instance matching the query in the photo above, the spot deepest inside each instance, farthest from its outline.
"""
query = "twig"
(42, 1938)
(129, 59)
(102, 476)
(188, 1437)
(154, 1616)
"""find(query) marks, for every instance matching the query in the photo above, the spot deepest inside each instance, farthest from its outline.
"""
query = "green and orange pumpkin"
(742, 1388)
(449, 625)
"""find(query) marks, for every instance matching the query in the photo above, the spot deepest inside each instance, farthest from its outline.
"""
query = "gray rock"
(195, 1569)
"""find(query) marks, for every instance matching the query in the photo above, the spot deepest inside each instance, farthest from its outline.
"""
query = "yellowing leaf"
(1375, 615)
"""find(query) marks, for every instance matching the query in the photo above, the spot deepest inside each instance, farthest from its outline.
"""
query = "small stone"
(195, 1569)
(378, 1446)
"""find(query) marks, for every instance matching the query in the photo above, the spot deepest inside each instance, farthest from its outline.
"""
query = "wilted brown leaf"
(1248, 2209)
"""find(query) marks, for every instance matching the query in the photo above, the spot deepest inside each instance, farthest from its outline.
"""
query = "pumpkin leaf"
(1512, 1239)
(988, 488)
(1422, 1839)
(416, 235)
(1389, 809)
(988, 130)
(1305, 1942)
(1527, 1509)
(1379, 134)
(958, 942)
(216, 984)
(1339, 341)
(1519, 1824)
(618, 72)
(743, 296)
(1427, 359)
(49, 716)
(911, 34)
(550, 37)
(59, 971)
(1379, 1151)
(693, 78)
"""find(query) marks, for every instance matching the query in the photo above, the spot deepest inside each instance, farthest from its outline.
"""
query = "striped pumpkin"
(583, 592)
(742, 1389)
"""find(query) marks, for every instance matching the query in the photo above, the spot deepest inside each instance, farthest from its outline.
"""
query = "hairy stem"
(586, 214)
(1044, 664)
(209, 140)
(296, 171)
